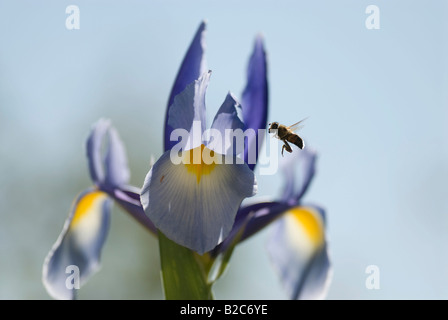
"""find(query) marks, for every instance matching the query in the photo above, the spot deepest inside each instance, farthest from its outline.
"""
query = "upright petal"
(79, 245)
(298, 252)
(308, 161)
(194, 204)
(94, 147)
(187, 113)
(116, 163)
(230, 127)
(255, 101)
(298, 171)
(191, 68)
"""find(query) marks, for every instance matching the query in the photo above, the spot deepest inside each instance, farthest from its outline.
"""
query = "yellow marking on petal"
(311, 221)
(194, 161)
(86, 204)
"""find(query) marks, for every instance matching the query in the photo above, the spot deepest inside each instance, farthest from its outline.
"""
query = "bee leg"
(286, 147)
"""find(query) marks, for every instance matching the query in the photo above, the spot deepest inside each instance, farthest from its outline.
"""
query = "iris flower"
(84, 233)
(194, 202)
(198, 203)
(297, 247)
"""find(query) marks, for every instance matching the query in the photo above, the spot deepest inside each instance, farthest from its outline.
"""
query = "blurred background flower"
(298, 245)
(85, 231)
(376, 101)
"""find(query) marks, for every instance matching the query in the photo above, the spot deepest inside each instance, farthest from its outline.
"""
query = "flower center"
(199, 161)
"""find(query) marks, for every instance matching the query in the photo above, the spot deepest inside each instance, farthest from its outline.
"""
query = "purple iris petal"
(117, 170)
(107, 170)
(316, 281)
(263, 215)
(298, 251)
(298, 170)
(110, 171)
(94, 155)
(80, 243)
(252, 219)
(255, 217)
(255, 101)
(130, 201)
(195, 204)
(227, 122)
(188, 112)
(191, 68)
(307, 160)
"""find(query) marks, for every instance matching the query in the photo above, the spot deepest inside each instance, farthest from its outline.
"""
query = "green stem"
(182, 276)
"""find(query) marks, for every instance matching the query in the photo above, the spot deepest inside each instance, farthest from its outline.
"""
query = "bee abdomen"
(294, 138)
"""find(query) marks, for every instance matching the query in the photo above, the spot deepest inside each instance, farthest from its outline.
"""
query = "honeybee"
(286, 134)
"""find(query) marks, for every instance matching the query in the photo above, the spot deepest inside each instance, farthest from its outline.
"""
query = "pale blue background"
(377, 102)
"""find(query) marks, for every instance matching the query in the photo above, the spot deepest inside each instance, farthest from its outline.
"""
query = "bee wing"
(294, 138)
(296, 126)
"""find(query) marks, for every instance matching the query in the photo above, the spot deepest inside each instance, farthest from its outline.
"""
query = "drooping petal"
(299, 254)
(195, 204)
(229, 126)
(263, 215)
(129, 199)
(116, 163)
(255, 101)
(191, 69)
(94, 150)
(249, 220)
(187, 113)
(79, 245)
(317, 283)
